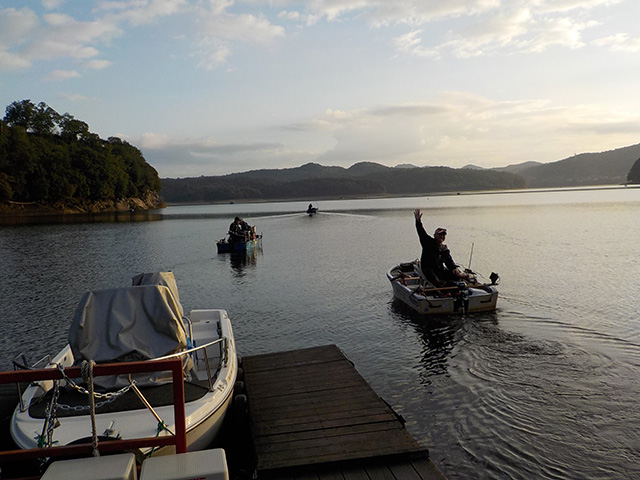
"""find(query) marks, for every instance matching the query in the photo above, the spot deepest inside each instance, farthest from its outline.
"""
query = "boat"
(144, 321)
(246, 241)
(464, 296)
(311, 211)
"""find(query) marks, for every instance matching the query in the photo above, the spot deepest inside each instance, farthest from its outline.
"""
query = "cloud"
(453, 128)
(24, 38)
(52, 4)
(187, 157)
(62, 75)
(97, 64)
(140, 12)
(219, 27)
(75, 97)
(505, 32)
(458, 128)
(463, 28)
(620, 42)
(16, 28)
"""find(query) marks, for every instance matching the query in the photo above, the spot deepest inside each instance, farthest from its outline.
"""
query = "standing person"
(236, 231)
(247, 229)
(436, 262)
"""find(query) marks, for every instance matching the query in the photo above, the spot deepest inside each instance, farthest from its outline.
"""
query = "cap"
(440, 230)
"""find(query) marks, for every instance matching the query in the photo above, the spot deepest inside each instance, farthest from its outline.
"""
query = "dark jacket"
(433, 257)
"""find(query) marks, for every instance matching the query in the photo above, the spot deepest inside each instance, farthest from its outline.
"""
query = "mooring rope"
(86, 369)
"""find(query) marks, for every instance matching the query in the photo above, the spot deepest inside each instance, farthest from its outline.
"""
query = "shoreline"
(412, 195)
(22, 213)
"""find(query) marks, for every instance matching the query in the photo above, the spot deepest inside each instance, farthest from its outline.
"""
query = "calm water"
(546, 387)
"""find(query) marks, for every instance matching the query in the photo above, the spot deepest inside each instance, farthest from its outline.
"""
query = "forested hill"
(53, 160)
(612, 167)
(316, 181)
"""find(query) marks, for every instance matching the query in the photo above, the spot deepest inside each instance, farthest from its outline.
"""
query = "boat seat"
(111, 467)
(203, 464)
(204, 324)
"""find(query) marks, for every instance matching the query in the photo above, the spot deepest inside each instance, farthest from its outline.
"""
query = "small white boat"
(141, 322)
(465, 296)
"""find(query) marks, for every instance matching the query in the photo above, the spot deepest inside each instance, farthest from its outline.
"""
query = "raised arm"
(422, 234)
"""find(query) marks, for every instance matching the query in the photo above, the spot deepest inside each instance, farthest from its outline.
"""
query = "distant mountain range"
(372, 179)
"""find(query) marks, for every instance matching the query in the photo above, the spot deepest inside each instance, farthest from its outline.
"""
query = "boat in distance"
(311, 210)
(144, 321)
(464, 296)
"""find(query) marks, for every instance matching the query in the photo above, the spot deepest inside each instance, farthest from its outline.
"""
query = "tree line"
(316, 181)
(47, 158)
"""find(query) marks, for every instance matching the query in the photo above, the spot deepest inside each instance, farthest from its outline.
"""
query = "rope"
(161, 426)
(86, 369)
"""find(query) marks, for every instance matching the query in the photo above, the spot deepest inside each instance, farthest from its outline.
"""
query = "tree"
(40, 119)
(72, 129)
(634, 174)
(20, 114)
(6, 192)
(45, 119)
(47, 158)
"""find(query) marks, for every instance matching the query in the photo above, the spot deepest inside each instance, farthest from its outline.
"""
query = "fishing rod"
(470, 256)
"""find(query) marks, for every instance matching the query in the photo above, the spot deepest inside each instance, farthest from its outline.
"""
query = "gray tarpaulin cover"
(127, 324)
(160, 278)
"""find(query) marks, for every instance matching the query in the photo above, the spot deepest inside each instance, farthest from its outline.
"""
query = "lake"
(546, 387)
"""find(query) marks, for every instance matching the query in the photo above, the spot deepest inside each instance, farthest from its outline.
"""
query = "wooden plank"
(348, 394)
(330, 475)
(427, 469)
(291, 437)
(403, 471)
(355, 473)
(329, 452)
(309, 413)
(335, 375)
(379, 472)
(311, 407)
(313, 355)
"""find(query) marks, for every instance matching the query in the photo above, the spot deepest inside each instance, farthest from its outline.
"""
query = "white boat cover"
(127, 324)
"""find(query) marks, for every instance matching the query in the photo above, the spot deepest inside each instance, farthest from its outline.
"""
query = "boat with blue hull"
(224, 246)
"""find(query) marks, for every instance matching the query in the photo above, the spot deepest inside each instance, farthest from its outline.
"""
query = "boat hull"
(406, 288)
(238, 247)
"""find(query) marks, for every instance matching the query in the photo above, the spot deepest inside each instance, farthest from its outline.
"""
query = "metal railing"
(179, 440)
(224, 356)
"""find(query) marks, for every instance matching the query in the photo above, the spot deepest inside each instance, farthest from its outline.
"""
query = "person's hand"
(458, 273)
(417, 214)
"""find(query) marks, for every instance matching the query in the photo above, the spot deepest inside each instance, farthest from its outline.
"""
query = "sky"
(211, 87)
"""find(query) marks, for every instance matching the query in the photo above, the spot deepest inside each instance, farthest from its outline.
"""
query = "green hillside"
(54, 160)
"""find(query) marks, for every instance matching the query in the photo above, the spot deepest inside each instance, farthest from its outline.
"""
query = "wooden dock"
(313, 416)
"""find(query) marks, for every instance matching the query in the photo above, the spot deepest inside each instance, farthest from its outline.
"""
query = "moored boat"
(141, 322)
(465, 296)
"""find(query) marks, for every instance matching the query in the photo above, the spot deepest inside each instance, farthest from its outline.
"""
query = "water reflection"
(438, 337)
(241, 260)
(76, 218)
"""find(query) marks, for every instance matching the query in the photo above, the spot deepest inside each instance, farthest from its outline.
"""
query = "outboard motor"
(494, 277)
